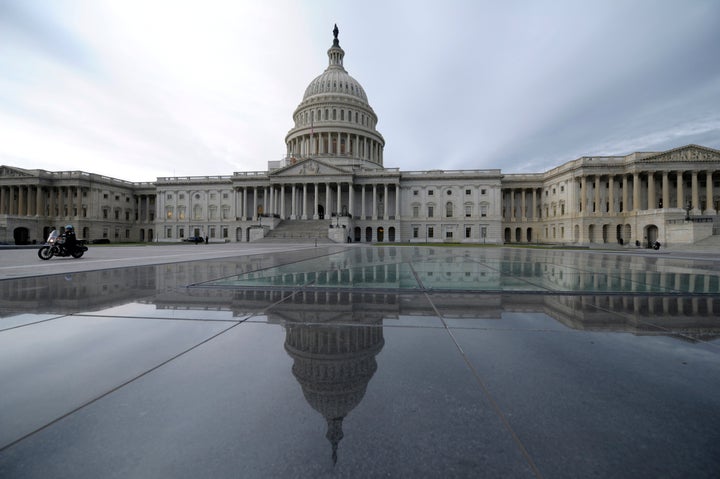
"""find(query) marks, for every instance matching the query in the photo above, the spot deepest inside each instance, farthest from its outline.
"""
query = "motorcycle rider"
(70, 239)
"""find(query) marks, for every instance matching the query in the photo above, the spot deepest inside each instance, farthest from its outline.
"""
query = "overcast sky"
(138, 89)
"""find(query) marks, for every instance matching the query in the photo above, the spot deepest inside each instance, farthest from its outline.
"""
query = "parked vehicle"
(55, 246)
(194, 239)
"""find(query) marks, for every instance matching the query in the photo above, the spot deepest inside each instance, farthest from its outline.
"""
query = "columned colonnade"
(334, 144)
(36, 200)
(303, 200)
(64, 201)
(646, 190)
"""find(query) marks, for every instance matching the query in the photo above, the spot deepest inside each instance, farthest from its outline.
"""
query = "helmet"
(69, 228)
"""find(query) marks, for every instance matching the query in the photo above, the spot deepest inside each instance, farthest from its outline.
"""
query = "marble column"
(22, 192)
(362, 203)
(374, 202)
(397, 201)
(651, 191)
(351, 201)
(39, 203)
(636, 191)
(303, 206)
(512, 205)
(282, 202)
(598, 208)
(624, 194)
(316, 199)
(679, 186)
(709, 205)
(386, 203)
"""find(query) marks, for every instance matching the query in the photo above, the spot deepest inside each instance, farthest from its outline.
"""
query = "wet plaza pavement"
(359, 361)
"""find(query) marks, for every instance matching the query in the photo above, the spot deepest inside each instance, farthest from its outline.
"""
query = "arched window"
(449, 209)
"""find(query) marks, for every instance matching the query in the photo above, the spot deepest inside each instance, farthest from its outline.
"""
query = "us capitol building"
(332, 185)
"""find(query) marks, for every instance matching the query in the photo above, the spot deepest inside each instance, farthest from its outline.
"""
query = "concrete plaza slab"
(283, 360)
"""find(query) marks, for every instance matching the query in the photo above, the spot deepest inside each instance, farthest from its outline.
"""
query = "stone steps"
(300, 231)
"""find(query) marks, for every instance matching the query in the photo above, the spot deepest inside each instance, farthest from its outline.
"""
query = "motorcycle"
(55, 246)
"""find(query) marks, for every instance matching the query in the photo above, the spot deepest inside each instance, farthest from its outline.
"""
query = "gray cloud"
(517, 85)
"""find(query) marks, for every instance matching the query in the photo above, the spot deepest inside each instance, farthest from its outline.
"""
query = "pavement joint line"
(116, 388)
(488, 396)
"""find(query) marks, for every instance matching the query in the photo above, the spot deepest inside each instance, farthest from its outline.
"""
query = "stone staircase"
(300, 231)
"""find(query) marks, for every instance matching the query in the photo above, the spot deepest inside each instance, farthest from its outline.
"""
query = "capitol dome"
(334, 121)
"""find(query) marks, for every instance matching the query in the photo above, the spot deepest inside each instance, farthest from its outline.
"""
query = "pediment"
(686, 154)
(309, 167)
(13, 172)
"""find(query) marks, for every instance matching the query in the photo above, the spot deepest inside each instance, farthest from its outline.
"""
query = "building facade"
(333, 184)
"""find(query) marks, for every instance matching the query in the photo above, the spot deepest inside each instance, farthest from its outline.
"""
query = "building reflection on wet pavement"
(365, 362)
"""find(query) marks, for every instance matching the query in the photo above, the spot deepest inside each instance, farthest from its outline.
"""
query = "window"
(431, 192)
(468, 231)
(168, 196)
(431, 211)
(415, 192)
(467, 192)
(483, 232)
(182, 196)
(225, 196)
(449, 192)
(117, 215)
(483, 210)
(431, 232)
(105, 196)
(168, 233)
(415, 231)
(468, 211)
(483, 191)
(225, 232)
(415, 211)
(449, 209)
(181, 233)
(562, 188)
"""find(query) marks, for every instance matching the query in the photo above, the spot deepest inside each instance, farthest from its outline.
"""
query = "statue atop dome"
(336, 42)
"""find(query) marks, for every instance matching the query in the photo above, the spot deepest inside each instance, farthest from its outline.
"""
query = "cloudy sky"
(138, 89)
